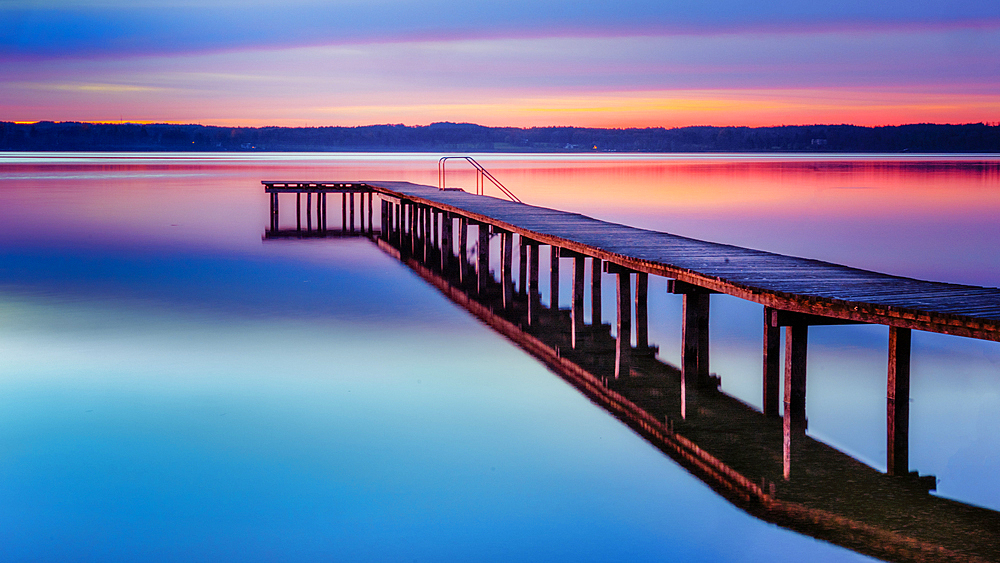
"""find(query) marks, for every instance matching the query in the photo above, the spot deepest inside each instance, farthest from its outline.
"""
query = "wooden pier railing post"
(898, 402)
(772, 362)
(576, 313)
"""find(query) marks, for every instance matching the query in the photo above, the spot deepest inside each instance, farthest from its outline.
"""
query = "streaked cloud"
(634, 63)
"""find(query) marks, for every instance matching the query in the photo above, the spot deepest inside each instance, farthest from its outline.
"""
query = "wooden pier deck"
(781, 282)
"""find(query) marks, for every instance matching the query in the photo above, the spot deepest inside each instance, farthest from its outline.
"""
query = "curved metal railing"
(482, 175)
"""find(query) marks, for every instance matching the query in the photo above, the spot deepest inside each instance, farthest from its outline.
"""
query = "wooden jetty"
(423, 225)
(738, 451)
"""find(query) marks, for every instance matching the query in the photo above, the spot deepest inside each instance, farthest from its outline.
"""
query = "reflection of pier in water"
(766, 465)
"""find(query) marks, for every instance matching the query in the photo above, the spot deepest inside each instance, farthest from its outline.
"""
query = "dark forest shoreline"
(466, 137)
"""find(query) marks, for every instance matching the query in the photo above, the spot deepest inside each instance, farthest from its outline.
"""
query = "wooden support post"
(463, 248)
(772, 363)
(794, 423)
(483, 255)
(576, 312)
(898, 402)
(298, 211)
(522, 270)
(351, 206)
(370, 229)
(642, 313)
(274, 211)
(361, 212)
(343, 212)
(446, 245)
(322, 212)
(695, 341)
(623, 344)
(507, 278)
(554, 278)
(309, 225)
(595, 292)
(796, 344)
(383, 218)
(534, 296)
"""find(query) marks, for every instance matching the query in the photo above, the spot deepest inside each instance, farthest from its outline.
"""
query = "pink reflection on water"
(922, 216)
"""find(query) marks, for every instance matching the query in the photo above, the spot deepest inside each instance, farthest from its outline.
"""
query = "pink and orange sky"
(633, 63)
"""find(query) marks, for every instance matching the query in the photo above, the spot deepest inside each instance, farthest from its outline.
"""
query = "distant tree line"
(466, 137)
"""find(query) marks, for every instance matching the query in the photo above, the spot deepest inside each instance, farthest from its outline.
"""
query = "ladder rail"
(482, 174)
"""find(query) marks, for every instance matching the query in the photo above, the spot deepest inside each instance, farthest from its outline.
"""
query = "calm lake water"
(174, 388)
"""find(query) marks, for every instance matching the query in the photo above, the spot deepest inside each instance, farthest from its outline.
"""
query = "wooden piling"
(772, 363)
(483, 256)
(534, 297)
(642, 313)
(576, 312)
(623, 343)
(554, 278)
(898, 402)
(595, 292)
(507, 264)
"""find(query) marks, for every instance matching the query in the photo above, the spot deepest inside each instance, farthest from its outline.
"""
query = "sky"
(631, 63)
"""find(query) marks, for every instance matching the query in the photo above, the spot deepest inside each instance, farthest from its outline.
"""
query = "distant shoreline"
(464, 137)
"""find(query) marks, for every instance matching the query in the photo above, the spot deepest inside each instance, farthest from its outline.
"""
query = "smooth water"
(173, 387)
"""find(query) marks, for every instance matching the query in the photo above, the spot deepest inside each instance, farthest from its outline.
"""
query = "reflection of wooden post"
(534, 297)
(507, 277)
(641, 312)
(576, 313)
(772, 362)
(595, 291)
(623, 344)
(554, 278)
(794, 423)
(898, 402)
(483, 256)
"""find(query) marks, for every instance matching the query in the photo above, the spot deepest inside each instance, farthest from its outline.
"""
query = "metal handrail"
(482, 174)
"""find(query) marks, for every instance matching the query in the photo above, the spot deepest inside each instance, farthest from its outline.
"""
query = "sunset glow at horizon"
(640, 64)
